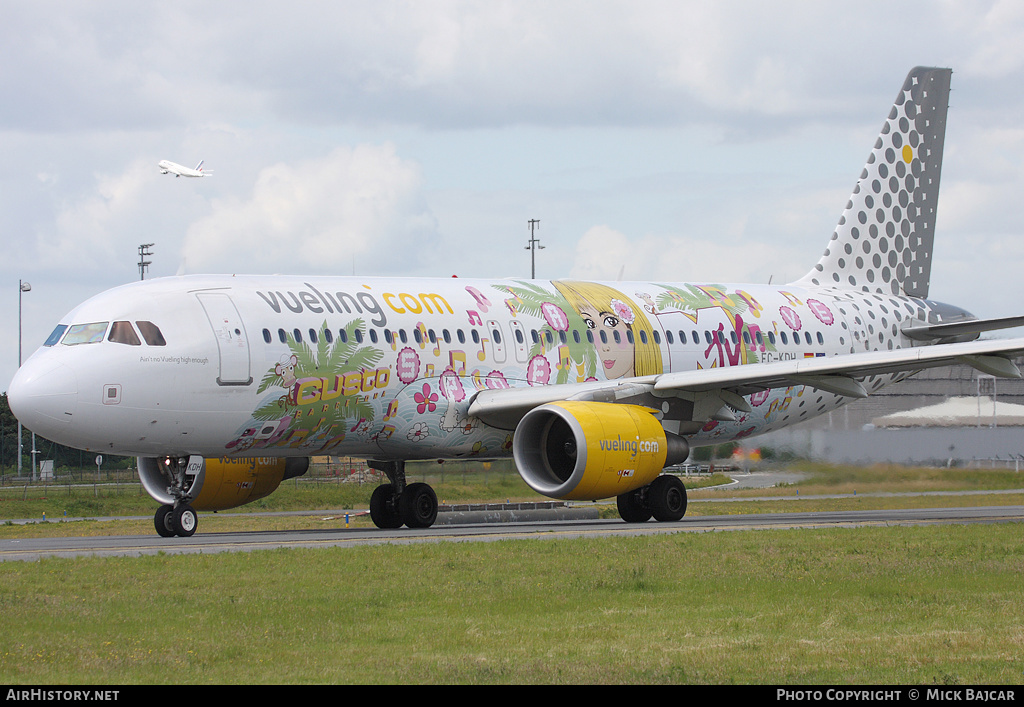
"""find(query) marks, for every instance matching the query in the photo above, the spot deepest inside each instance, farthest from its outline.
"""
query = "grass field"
(929, 605)
(936, 605)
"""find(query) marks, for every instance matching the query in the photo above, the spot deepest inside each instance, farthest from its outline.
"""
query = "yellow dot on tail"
(908, 154)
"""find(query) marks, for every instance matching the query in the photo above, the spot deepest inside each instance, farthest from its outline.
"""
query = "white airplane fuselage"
(292, 366)
(168, 167)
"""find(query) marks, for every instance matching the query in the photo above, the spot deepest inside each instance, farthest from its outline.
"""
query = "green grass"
(929, 605)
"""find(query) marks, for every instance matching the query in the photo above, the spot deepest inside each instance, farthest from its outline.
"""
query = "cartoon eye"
(589, 322)
(611, 322)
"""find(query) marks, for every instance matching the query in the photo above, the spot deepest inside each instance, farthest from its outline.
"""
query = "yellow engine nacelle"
(217, 484)
(587, 451)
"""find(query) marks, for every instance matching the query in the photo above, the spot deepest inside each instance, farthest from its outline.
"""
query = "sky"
(682, 141)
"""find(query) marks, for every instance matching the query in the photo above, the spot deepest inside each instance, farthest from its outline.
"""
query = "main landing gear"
(398, 503)
(664, 499)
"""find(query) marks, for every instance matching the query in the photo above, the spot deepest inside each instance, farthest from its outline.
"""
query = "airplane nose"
(44, 397)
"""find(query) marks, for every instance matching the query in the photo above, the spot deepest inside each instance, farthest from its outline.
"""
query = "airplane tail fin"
(199, 167)
(883, 242)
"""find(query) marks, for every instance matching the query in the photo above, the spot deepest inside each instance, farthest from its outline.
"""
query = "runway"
(139, 545)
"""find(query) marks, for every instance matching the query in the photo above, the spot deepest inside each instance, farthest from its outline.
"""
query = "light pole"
(144, 264)
(533, 246)
(22, 287)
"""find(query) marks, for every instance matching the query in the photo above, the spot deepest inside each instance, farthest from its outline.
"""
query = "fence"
(321, 471)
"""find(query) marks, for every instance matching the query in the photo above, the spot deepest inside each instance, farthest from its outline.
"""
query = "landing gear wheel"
(162, 521)
(418, 506)
(184, 521)
(632, 508)
(382, 508)
(667, 498)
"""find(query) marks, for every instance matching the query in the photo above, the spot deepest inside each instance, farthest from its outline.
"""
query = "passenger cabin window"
(122, 333)
(85, 334)
(56, 334)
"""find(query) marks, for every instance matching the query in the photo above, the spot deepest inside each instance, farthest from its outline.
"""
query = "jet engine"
(587, 450)
(216, 484)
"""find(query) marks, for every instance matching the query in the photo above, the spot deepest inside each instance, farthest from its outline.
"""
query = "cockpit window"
(122, 333)
(85, 334)
(55, 336)
(151, 333)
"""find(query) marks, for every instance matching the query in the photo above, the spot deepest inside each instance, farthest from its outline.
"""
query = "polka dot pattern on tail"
(883, 242)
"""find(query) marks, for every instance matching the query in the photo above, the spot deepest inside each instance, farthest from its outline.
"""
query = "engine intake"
(587, 450)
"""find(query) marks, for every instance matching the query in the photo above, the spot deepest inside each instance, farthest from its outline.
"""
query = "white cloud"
(356, 206)
(603, 253)
(96, 228)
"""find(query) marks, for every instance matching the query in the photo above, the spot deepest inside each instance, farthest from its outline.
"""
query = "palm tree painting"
(317, 393)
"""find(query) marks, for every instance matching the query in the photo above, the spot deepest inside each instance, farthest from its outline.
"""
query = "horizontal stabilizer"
(962, 331)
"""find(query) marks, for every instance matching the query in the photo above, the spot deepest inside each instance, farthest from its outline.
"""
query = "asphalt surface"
(577, 521)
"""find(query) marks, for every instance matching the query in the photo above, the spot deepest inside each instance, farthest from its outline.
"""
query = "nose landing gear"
(178, 520)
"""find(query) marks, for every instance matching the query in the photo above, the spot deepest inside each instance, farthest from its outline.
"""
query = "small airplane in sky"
(168, 167)
(225, 386)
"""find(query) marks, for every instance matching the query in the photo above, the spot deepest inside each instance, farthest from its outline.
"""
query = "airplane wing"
(714, 391)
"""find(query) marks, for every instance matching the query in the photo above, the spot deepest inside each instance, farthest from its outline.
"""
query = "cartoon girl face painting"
(615, 324)
(616, 354)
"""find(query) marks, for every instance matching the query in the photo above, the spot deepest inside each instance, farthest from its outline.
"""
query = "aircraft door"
(519, 340)
(232, 343)
(497, 341)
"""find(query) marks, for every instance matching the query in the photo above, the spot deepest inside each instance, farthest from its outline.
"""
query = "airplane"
(168, 167)
(225, 386)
